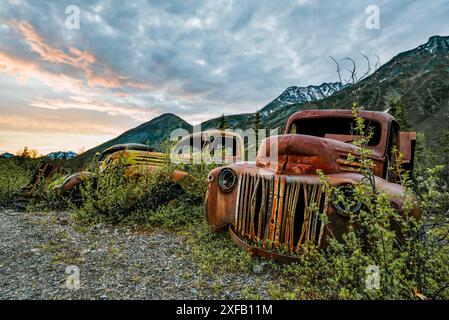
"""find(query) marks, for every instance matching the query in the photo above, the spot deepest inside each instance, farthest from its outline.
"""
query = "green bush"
(13, 176)
(172, 216)
(150, 199)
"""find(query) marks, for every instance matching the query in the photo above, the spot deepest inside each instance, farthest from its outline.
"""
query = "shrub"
(13, 176)
(146, 198)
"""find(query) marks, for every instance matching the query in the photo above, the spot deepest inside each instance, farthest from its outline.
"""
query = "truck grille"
(150, 159)
(279, 212)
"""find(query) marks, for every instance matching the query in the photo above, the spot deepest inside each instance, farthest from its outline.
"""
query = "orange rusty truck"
(266, 205)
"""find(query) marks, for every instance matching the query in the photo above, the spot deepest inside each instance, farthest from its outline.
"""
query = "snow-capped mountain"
(295, 95)
(61, 155)
(436, 44)
(6, 155)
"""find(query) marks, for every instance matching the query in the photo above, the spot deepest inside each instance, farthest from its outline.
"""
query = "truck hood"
(304, 154)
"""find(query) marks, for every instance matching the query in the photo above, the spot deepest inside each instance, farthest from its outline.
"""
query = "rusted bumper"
(260, 251)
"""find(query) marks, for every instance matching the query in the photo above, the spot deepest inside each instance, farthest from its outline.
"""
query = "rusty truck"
(265, 205)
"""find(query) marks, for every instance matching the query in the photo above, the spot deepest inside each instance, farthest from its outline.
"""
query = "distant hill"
(291, 96)
(151, 133)
(158, 129)
(61, 155)
(6, 155)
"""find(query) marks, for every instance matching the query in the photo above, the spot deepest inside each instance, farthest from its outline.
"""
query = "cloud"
(27, 69)
(13, 141)
(82, 103)
(75, 57)
(82, 60)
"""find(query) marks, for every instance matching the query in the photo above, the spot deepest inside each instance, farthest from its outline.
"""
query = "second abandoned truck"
(266, 206)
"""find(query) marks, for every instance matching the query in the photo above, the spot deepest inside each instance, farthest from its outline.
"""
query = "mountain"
(420, 77)
(6, 155)
(152, 133)
(298, 95)
(61, 155)
(291, 96)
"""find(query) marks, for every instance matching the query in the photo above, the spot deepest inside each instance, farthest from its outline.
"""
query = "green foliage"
(425, 156)
(147, 198)
(196, 185)
(257, 126)
(223, 123)
(398, 111)
(14, 174)
(445, 155)
(411, 254)
(172, 216)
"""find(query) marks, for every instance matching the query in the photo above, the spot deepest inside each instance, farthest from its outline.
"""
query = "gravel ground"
(114, 263)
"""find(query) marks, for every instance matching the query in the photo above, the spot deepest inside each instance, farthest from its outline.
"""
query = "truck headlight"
(343, 199)
(227, 179)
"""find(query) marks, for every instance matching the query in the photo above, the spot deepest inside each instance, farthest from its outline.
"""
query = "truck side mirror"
(407, 149)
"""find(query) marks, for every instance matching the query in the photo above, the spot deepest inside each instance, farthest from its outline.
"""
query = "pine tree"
(397, 110)
(445, 154)
(223, 123)
(392, 107)
(23, 153)
(401, 116)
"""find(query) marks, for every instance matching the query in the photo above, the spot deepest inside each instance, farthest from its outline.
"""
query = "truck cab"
(339, 125)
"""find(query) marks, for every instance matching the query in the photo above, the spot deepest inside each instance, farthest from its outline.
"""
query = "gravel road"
(114, 263)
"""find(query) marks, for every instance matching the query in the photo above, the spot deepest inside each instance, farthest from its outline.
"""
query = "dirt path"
(113, 263)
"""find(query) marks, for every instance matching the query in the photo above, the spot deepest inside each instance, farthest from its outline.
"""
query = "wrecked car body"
(139, 159)
(271, 207)
(211, 146)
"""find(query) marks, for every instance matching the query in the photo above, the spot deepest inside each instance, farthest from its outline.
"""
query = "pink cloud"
(25, 70)
(84, 61)
(76, 58)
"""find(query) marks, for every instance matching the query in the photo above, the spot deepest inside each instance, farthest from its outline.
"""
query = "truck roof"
(381, 117)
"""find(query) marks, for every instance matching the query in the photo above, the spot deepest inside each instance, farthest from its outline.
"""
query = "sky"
(71, 84)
